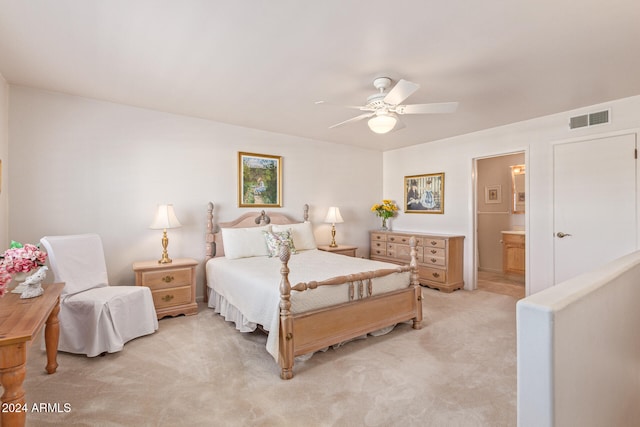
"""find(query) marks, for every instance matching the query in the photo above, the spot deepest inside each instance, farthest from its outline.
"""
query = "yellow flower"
(385, 210)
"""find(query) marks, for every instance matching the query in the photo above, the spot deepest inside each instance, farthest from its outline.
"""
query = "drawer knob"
(167, 279)
(436, 274)
(433, 251)
(433, 260)
(433, 242)
(392, 238)
(167, 298)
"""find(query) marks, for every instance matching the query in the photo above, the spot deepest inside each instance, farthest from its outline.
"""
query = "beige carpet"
(459, 370)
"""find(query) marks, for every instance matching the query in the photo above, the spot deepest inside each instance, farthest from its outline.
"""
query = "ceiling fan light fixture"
(382, 123)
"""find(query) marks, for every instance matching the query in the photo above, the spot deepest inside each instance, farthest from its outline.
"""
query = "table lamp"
(165, 218)
(333, 217)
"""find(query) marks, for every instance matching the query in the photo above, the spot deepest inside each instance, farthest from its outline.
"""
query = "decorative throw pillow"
(302, 234)
(275, 239)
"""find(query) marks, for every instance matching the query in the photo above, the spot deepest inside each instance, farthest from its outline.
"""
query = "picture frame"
(424, 193)
(259, 180)
(493, 194)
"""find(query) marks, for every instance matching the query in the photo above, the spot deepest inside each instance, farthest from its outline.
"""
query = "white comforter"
(246, 291)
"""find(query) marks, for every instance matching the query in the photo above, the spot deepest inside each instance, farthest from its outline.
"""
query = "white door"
(595, 216)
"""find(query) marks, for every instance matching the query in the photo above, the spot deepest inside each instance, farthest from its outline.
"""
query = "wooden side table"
(20, 321)
(340, 249)
(173, 285)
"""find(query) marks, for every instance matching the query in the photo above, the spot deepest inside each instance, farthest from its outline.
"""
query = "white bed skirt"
(231, 314)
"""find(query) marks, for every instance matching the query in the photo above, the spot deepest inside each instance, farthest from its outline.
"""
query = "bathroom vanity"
(513, 252)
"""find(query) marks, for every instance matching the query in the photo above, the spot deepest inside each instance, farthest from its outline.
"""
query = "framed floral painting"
(424, 193)
(259, 180)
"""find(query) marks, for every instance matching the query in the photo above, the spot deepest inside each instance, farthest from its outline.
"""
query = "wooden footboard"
(302, 333)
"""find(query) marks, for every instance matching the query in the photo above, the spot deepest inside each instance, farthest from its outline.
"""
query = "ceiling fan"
(382, 109)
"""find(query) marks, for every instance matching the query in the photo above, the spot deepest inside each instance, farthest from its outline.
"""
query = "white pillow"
(302, 234)
(244, 242)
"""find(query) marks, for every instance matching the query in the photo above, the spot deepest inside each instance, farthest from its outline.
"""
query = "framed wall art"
(424, 193)
(493, 194)
(259, 180)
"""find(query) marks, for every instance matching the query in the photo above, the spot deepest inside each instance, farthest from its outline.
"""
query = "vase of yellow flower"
(385, 210)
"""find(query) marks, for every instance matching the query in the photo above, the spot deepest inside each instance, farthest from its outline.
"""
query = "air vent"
(599, 118)
(579, 122)
(592, 119)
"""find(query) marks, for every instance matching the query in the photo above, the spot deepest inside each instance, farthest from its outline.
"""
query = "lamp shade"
(333, 216)
(382, 123)
(165, 218)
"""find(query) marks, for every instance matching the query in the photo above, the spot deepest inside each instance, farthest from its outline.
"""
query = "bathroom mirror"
(517, 188)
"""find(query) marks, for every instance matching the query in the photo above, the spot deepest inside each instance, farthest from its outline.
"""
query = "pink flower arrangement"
(19, 259)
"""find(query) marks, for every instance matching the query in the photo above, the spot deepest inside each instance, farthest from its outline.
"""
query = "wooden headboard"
(214, 244)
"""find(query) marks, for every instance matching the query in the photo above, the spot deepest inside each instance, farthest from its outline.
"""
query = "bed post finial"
(210, 249)
(210, 244)
(285, 358)
(306, 212)
(263, 218)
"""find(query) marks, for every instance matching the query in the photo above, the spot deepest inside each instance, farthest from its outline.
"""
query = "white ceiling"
(262, 64)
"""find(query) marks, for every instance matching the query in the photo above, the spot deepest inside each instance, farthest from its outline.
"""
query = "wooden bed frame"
(302, 333)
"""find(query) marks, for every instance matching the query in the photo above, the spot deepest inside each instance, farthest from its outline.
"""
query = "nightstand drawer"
(171, 297)
(167, 279)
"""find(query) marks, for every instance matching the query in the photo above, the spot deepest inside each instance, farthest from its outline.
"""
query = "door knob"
(560, 234)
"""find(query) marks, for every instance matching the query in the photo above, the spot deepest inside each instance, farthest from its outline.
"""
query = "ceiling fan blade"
(436, 108)
(353, 119)
(401, 91)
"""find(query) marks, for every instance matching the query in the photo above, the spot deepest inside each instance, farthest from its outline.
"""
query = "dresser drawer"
(171, 297)
(435, 243)
(167, 279)
(378, 245)
(402, 251)
(403, 239)
(380, 252)
(378, 237)
(432, 274)
(435, 252)
(435, 260)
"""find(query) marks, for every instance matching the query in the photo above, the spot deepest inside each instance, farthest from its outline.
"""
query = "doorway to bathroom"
(500, 224)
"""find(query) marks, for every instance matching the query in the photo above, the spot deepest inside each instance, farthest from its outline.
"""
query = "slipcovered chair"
(94, 317)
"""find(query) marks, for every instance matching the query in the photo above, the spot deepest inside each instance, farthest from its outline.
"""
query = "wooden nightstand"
(173, 285)
(340, 249)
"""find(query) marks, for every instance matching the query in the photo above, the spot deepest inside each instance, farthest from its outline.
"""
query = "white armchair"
(95, 317)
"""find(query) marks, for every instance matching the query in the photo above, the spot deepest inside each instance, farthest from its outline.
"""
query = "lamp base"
(165, 242)
(165, 259)
(333, 243)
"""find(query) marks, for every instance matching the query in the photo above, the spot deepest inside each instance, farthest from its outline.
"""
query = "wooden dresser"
(173, 285)
(440, 257)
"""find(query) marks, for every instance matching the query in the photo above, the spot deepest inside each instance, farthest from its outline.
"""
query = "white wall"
(4, 158)
(82, 165)
(455, 156)
(578, 350)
